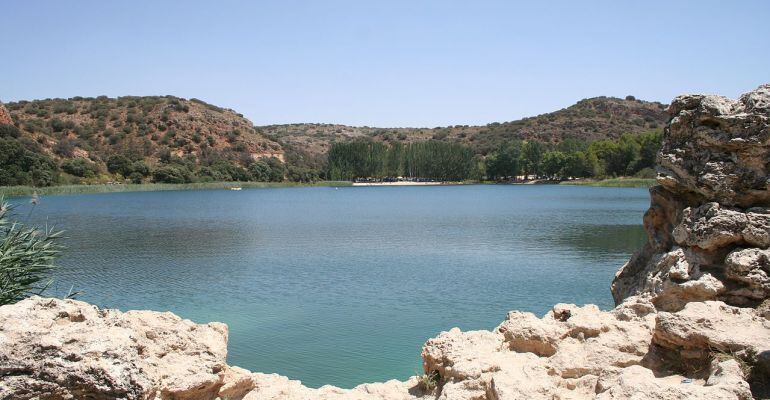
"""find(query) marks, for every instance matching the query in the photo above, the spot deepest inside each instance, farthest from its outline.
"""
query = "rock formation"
(692, 318)
(5, 116)
(709, 221)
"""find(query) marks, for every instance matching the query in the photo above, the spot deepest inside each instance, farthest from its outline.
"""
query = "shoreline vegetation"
(20, 191)
(622, 182)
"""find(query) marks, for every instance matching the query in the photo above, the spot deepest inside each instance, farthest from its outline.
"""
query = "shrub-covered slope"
(136, 136)
(588, 120)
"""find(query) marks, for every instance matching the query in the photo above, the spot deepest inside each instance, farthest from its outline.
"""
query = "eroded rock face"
(718, 148)
(709, 222)
(5, 116)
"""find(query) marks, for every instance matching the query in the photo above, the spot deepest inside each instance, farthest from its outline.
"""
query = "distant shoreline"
(613, 182)
(20, 191)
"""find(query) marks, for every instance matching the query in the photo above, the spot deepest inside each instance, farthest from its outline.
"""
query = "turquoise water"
(343, 286)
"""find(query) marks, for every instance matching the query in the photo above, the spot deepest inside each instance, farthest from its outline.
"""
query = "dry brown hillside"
(143, 127)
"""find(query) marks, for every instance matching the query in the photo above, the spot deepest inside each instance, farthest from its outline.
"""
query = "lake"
(342, 286)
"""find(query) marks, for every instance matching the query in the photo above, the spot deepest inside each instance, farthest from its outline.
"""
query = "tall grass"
(614, 182)
(27, 257)
(151, 187)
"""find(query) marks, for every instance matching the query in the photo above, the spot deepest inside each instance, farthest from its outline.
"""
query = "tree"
(649, 145)
(554, 164)
(531, 156)
(506, 162)
(80, 167)
(431, 159)
(172, 174)
(140, 168)
(20, 166)
(119, 164)
(9, 131)
(260, 171)
(27, 257)
(277, 169)
(577, 165)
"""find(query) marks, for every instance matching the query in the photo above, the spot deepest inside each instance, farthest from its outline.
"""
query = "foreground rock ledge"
(692, 318)
(67, 349)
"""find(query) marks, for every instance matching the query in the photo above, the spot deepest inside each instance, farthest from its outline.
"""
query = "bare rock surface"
(5, 117)
(52, 348)
(692, 318)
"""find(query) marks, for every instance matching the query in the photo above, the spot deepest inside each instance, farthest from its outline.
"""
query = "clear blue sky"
(385, 63)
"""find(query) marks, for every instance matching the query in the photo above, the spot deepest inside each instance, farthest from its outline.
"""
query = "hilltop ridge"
(589, 120)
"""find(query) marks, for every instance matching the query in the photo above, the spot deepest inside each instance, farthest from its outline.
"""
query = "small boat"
(236, 188)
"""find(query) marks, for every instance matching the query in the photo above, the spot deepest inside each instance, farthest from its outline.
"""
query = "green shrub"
(27, 257)
(80, 167)
(172, 174)
(9, 131)
(119, 164)
(20, 166)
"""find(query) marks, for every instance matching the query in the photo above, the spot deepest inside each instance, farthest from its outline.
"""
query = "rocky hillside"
(147, 128)
(692, 320)
(589, 119)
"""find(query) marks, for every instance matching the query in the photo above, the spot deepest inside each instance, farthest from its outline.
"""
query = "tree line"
(432, 159)
(630, 155)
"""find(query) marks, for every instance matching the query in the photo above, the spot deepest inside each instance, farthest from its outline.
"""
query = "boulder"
(704, 329)
(51, 348)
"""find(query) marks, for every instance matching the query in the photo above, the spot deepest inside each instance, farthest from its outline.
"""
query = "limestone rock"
(718, 148)
(702, 328)
(752, 267)
(52, 348)
(276, 387)
(636, 382)
(711, 226)
(713, 201)
(454, 354)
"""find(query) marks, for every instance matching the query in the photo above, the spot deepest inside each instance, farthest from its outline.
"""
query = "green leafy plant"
(27, 256)
(429, 381)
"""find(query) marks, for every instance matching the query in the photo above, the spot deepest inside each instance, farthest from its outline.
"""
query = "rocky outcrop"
(692, 318)
(68, 349)
(709, 222)
(5, 117)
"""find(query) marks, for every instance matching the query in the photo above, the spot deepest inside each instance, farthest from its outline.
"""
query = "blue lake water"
(343, 286)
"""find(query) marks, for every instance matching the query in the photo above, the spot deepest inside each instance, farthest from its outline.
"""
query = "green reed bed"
(614, 182)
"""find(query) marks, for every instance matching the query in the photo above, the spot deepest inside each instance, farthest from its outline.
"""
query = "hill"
(82, 135)
(175, 140)
(588, 120)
